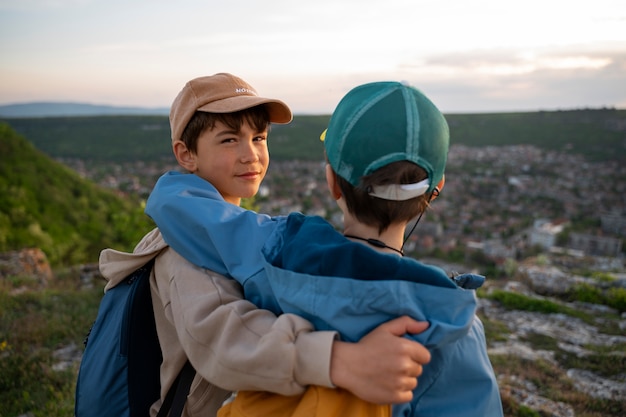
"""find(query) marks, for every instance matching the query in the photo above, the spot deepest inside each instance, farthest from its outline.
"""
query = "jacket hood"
(116, 265)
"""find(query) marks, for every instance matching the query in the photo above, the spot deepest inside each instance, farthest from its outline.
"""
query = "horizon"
(483, 57)
(163, 111)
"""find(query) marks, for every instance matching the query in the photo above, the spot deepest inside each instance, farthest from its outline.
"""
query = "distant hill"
(46, 205)
(598, 134)
(56, 109)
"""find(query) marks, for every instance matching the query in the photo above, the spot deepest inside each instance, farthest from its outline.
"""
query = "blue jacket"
(301, 265)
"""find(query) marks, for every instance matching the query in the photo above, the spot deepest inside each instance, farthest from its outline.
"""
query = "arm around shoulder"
(231, 342)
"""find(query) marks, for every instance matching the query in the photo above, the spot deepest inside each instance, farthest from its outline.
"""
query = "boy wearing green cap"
(219, 131)
(387, 146)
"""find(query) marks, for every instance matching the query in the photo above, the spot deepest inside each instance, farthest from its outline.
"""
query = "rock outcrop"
(28, 263)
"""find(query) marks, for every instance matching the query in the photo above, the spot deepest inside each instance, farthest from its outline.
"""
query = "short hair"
(258, 117)
(378, 212)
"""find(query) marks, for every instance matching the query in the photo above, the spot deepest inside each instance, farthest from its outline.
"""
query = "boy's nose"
(249, 153)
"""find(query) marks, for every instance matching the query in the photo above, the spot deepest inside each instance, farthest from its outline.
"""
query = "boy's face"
(234, 162)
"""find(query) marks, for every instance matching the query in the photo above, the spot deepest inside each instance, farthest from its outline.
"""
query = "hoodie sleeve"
(206, 230)
(230, 342)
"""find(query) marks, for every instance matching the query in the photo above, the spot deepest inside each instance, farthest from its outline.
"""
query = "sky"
(467, 56)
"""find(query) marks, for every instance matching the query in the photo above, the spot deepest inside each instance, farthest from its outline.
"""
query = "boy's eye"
(260, 138)
(228, 140)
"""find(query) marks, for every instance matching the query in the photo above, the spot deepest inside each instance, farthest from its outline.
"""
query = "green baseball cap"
(379, 123)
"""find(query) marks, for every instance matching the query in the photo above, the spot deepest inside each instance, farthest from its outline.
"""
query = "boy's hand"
(383, 366)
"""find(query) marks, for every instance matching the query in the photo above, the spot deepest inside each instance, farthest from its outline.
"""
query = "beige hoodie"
(233, 346)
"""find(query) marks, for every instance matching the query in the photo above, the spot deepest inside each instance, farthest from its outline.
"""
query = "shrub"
(616, 298)
(513, 301)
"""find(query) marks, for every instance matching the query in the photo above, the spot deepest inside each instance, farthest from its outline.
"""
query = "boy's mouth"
(250, 175)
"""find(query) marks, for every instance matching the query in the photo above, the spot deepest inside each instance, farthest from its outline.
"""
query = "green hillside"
(102, 138)
(599, 134)
(44, 204)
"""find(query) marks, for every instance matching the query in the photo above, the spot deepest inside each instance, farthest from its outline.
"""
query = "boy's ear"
(438, 188)
(333, 184)
(184, 156)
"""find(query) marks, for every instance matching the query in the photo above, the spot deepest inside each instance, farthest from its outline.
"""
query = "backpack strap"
(178, 392)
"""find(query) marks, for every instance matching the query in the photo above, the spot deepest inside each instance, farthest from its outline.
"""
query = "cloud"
(498, 82)
(483, 55)
(37, 5)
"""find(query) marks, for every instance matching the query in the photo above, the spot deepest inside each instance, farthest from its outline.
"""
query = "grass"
(614, 297)
(495, 331)
(34, 324)
(515, 301)
(551, 382)
(605, 365)
(550, 379)
(603, 360)
(606, 323)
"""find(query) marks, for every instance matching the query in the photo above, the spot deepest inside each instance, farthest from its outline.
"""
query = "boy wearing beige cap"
(219, 134)
(387, 147)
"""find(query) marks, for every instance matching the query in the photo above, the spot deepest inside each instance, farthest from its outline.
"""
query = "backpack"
(119, 373)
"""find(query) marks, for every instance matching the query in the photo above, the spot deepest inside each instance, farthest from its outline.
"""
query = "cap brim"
(278, 111)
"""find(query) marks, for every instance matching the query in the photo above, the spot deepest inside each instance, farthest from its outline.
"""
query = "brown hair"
(258, 117)
(381, 213)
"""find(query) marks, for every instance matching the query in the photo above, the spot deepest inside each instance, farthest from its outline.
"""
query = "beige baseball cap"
(220, 93)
